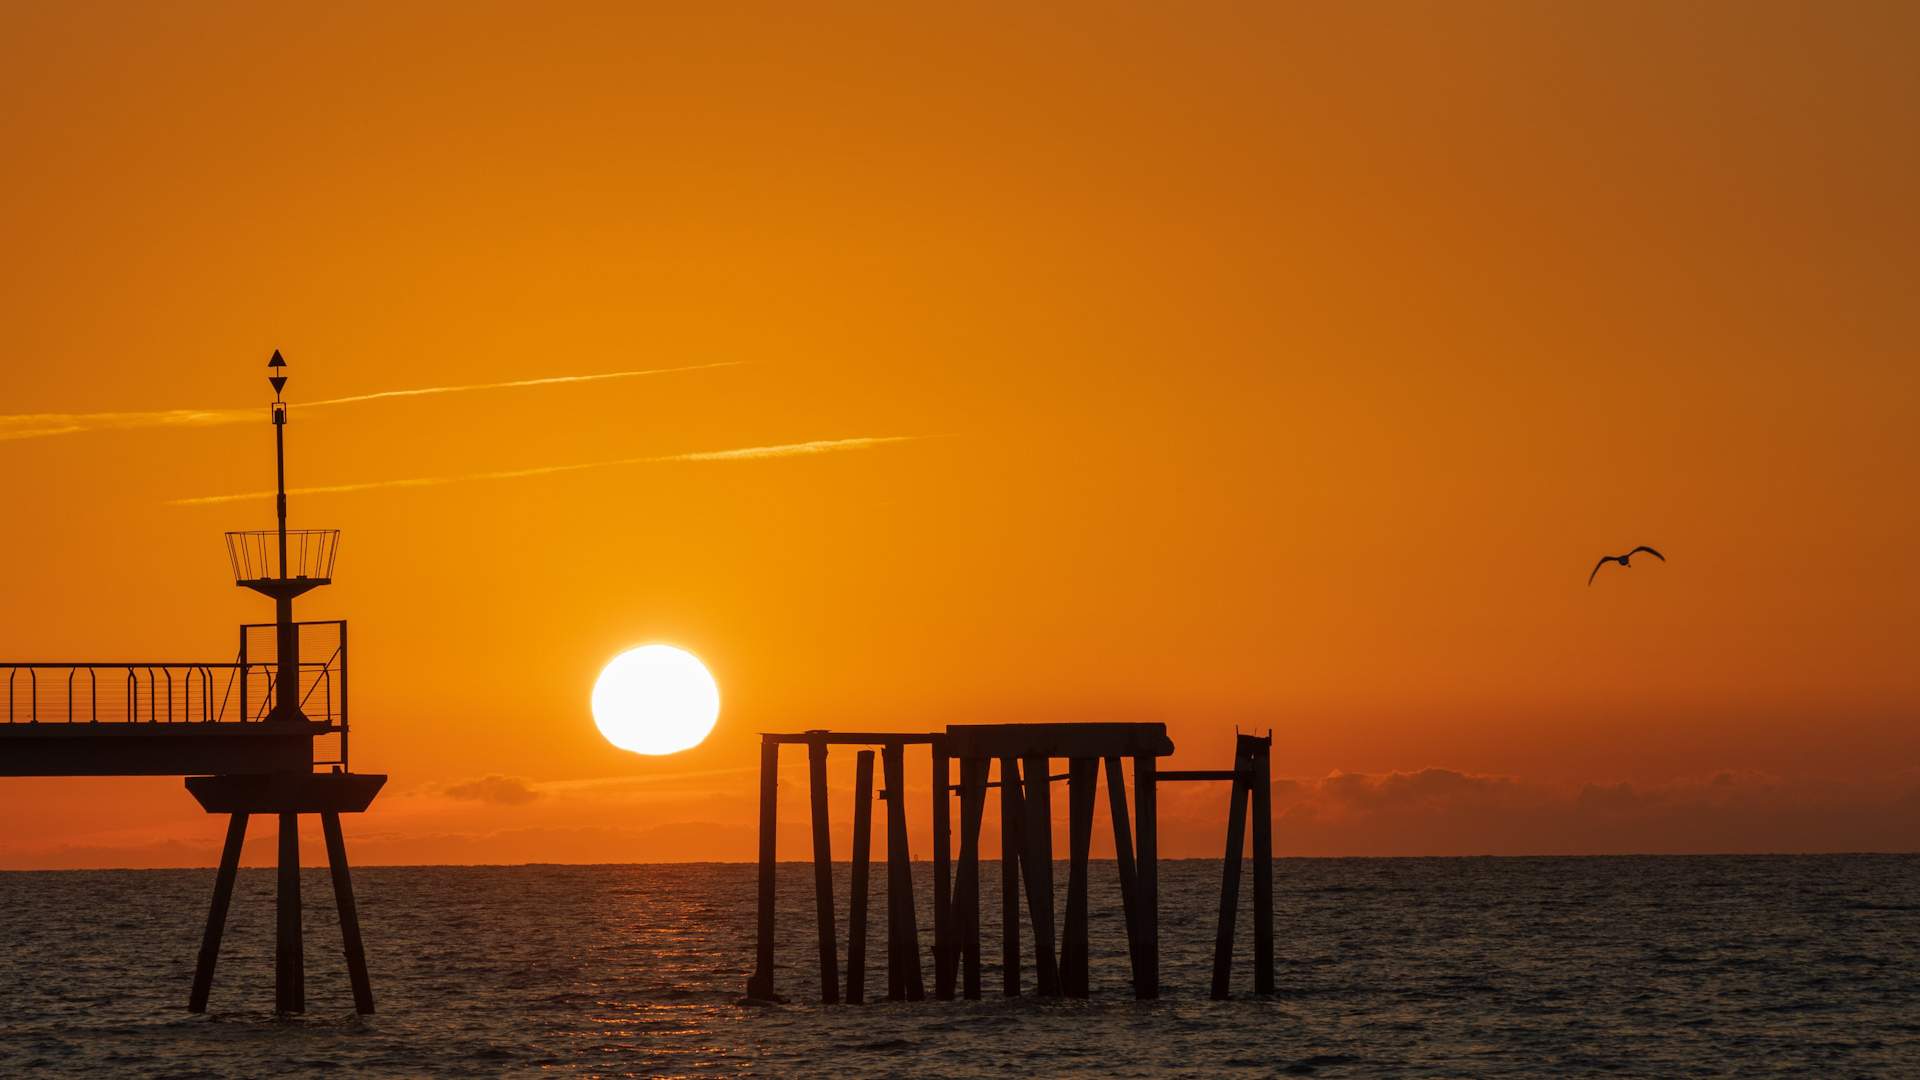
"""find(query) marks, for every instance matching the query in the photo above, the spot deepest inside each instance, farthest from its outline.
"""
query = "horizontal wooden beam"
(1057, 740)
(1197, 774)
(849, 738)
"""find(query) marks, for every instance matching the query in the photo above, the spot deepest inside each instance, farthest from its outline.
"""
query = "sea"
(1460, 967)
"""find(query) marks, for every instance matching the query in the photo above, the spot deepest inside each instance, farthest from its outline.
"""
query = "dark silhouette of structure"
(1024, 754)
(244, 734)
(1622, 560)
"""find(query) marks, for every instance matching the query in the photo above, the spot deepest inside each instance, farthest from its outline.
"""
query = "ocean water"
(1388, 967)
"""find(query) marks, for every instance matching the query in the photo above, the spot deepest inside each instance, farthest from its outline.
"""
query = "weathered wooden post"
(1230, 872)
(1012, 809)
(862, 857)
(1038, 868)
(1123, 857)
(217, 912)
(289, 959)
(944, 954)
(1262, 781)
(1083, 773)
(761, 984)
(973, 803)
(823, 868)
(903, 934)
(1146, 820)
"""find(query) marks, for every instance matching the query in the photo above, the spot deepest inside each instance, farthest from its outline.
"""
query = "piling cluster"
(1016, 760)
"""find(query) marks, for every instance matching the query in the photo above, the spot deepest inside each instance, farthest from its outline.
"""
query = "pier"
(263, 734)
(1017, 761)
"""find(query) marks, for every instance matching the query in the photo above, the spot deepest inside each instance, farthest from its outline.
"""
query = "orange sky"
(1278, 366)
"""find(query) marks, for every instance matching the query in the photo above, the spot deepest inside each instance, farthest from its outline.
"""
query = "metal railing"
(155, 692)
(255, 556)
(121, 692)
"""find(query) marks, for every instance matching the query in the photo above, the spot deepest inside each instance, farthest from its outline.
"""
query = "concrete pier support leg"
(904, 932)
(823, 873)
(1146, 823)
(1038, 868)
(217, 912)
(862, 857)
(1123, 857)
(1083, 775)
(1012, 841)
(349, 913)
(945, 955)
(761, 984)
(289, 959)
(1262, 780)
(973, 803)
(1230, 881)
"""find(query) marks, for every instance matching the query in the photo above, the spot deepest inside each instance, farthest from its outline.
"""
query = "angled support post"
(1262, 781)
(944, 954)
(1146, 821)
(973, 801)
(1037, 865)
(1012, 842)
(217, 912)
(862, 857)
(760, 986)
(349, 913)
(903, 936)
(1230, 874)
(1123, 856)
(823, 873)
(1082, 776)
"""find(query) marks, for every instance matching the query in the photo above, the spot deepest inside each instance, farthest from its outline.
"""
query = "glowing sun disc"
(655, 699)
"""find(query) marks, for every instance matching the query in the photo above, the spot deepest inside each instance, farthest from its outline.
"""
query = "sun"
(655, 699)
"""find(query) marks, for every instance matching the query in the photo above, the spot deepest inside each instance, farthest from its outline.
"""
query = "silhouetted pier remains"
(1017, 760)
(246, 735)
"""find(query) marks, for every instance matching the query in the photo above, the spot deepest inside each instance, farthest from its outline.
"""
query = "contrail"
(749, 453)
(42, 425)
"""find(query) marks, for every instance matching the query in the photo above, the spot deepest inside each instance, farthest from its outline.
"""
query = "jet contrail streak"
(749, 453)
(42, 425)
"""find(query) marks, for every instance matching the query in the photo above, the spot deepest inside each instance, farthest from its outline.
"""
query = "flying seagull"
(1622, 560)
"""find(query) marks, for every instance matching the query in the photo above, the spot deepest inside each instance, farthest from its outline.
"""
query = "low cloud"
(499, 790)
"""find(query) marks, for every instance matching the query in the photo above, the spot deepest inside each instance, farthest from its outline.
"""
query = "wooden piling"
(289, 961)
(1262, 810)
(1123, 856)
(217, 912)
(1037, 865)
(349, 913)
(1012, 809)
(1083, 774)
(944, 953)
(862, 856)
(761, 985)
(1146, 820)
(973, 802)
(1230, 882)
(903, 935)
(823, 873)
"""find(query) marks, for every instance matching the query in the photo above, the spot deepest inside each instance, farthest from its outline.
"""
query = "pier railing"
(169, 692)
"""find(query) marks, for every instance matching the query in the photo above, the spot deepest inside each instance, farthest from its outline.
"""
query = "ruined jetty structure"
(248, 736)
(1024, 755)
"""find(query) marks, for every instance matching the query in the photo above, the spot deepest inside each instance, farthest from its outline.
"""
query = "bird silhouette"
(1622, 560)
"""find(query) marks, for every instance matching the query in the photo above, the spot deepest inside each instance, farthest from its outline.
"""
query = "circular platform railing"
(256, 555)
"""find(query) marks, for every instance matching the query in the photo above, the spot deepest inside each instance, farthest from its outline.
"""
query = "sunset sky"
(1273, 365)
